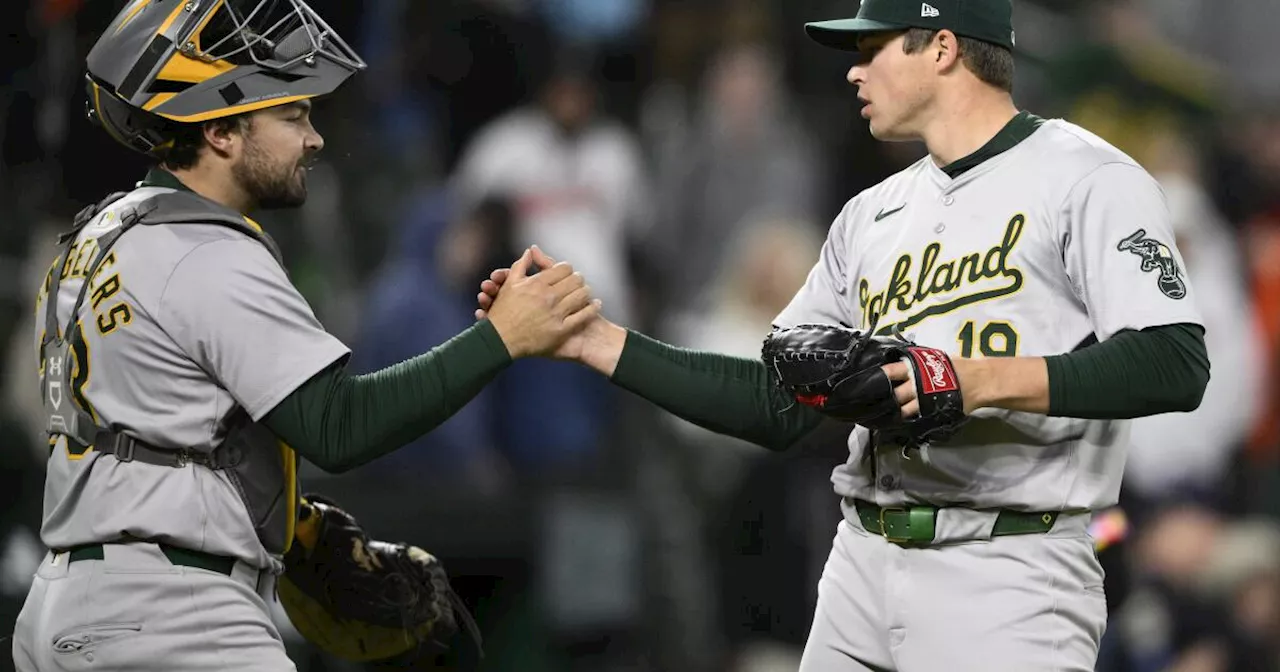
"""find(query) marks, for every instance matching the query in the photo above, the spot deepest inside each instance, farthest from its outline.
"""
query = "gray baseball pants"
(135, 610)
(1025, 603)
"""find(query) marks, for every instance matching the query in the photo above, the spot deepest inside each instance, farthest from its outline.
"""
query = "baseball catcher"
(361, 599)
(839, 372)
(174, 435)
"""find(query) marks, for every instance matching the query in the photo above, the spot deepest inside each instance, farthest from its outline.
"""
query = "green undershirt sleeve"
(1158, 370)
(1133, 374)
(339, 422)
(727, 395)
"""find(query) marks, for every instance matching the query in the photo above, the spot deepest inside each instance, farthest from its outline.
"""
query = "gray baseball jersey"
(1037, 251)
(182, 325)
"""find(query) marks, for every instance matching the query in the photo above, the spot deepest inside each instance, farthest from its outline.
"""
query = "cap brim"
(843, 34)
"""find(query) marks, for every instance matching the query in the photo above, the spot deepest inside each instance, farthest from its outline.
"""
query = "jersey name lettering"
(81, 257)
(909, 287)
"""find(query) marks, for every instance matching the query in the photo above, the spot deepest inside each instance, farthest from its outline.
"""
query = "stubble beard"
(271, 184)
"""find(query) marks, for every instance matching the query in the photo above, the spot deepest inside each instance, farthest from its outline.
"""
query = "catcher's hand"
(842, 373)
(364, 600)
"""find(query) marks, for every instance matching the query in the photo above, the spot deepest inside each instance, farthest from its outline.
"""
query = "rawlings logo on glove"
(941, 378)
(839, 372)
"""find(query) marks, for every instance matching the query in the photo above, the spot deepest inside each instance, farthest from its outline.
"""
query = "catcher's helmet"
(167, 62)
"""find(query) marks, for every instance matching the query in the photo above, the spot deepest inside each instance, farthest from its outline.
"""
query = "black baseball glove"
(837, 371)
(365, 600)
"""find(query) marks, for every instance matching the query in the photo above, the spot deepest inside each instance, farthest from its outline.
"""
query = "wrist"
(975, 383)
(1012, 383)
(603, 347)
(515, 348)
(489, 332)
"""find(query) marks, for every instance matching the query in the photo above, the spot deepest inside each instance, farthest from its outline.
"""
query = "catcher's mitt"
(837, 371)
(364, 600)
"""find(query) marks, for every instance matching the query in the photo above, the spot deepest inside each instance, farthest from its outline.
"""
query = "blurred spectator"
(766, 263)
(577, 180)
(743, 157)
(1233, 35)
(1187, 455)
(1160, 620)
(593, 22)
(1259, 143)
(1244, 181)
(577, 183)
(1193, 572)
(423, 296)
(578, 189)
(1129, 84)
(1243, 575)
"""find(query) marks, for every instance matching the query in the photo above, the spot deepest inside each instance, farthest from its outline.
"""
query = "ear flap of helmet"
(136, 129)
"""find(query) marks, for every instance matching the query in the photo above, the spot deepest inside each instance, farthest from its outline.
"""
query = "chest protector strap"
(261, 468)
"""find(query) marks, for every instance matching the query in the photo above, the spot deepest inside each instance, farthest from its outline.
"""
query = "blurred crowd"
(688, 156)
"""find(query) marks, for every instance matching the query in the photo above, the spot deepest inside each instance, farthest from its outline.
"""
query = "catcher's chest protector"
(262, 469)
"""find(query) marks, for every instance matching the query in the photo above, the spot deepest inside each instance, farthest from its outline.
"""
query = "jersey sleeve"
(229, 305)
(1120, 253)
(824, 298)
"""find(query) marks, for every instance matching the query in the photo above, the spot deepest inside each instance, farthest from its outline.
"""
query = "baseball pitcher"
(183, 374)
(985, 320)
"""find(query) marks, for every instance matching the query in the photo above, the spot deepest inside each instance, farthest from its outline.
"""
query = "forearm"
(1012, 383)
(340, 422)
(727, 395)
(1134, 374)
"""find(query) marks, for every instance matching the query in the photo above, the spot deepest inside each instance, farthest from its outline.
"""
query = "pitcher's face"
(895, 87)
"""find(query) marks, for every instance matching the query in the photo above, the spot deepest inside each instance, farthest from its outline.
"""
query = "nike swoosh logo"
(886, 213)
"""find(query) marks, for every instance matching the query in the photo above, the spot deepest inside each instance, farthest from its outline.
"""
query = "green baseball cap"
(986, 20)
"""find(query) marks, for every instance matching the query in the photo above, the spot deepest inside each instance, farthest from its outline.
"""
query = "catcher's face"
(279, 145)
(892, 85)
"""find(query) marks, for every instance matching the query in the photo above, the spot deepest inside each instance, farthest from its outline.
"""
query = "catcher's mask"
(167, 62)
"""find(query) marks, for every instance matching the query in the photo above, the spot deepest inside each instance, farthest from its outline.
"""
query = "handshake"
(543, 308)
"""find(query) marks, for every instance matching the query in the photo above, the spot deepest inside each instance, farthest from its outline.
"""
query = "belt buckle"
(124, 448)
(884, 529)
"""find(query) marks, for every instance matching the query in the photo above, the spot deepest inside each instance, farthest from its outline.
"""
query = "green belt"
(178, 556)
(915, 525)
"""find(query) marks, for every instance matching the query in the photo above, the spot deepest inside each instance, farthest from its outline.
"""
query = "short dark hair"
(188, 139)
(990, 62)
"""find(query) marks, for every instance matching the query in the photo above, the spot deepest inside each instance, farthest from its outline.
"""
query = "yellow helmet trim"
(235, 109)
(193, 70)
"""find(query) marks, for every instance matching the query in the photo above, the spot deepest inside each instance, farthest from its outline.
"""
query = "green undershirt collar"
(1018, 129)
(159, 177)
